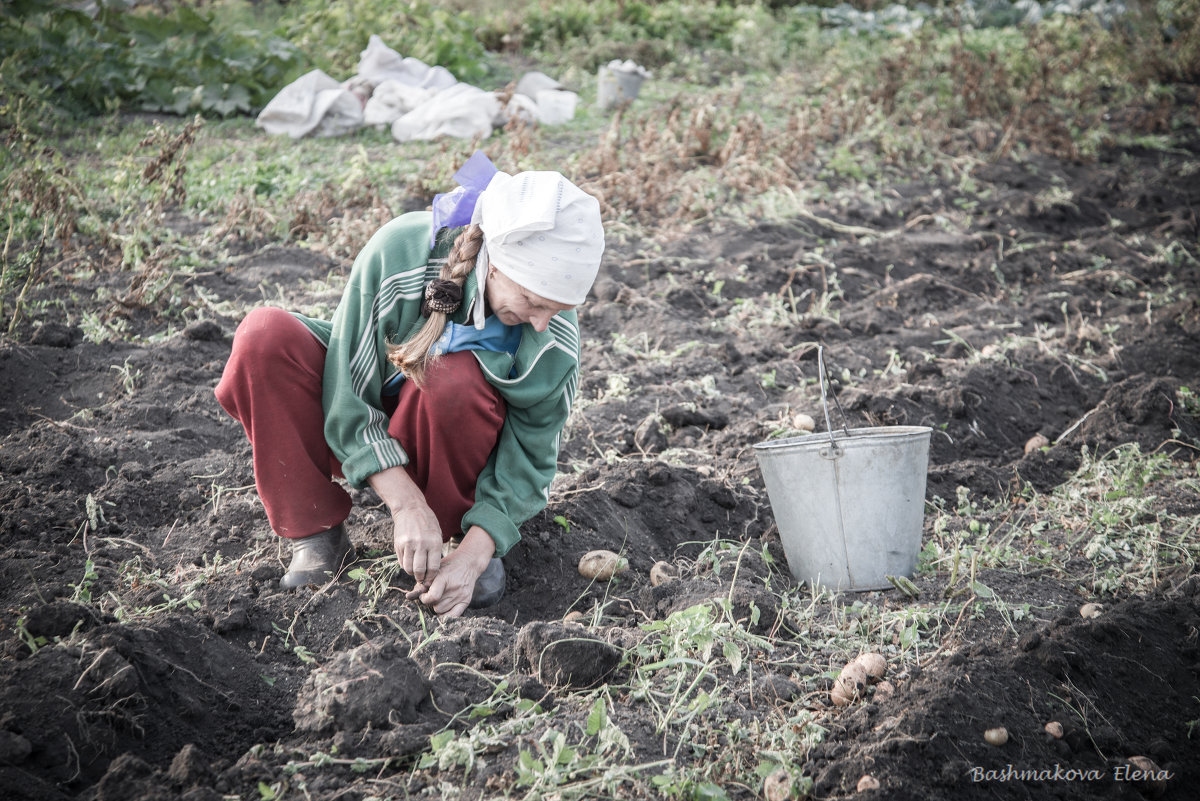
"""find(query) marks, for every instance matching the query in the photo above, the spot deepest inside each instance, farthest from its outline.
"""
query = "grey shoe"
(489, 587)
(318, 558)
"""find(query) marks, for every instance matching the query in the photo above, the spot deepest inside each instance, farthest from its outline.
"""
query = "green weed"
(1108, 514)
(181, 61)
(82, 592)
(334, 35)
(34, 644)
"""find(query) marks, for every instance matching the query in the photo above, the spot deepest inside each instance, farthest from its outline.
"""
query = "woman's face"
(514, 304)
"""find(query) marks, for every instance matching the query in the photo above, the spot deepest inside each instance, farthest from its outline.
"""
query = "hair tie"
(442, 296)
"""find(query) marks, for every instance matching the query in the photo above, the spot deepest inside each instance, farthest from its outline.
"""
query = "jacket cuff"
(502, 530)
(371, 459)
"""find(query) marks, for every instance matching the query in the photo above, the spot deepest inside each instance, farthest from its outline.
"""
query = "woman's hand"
(449, 593)
(417, 535)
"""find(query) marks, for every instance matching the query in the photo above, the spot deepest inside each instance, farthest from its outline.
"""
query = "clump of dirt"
(374, 684)
(148, 653)
(152, 690)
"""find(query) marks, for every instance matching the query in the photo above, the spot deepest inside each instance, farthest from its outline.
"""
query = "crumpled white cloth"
(393, 99)
(312, 104)
(379, 63)
(541, 99)
(463, 111)
(419, 102)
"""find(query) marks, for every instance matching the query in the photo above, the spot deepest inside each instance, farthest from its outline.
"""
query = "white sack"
(313, 103)
(548, 102)
(533, 82)
(540, 98)
(360, 87)
(462, 111)
(393, 99)
(518, 107)
(556, 106)
(379, 63)
(549, 107)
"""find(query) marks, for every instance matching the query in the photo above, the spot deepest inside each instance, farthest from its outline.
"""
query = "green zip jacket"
(382, 303)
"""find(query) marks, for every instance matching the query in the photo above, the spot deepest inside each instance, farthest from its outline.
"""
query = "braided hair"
(413, 356)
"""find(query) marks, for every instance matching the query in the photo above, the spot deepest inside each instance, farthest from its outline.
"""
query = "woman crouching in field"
(443, 381)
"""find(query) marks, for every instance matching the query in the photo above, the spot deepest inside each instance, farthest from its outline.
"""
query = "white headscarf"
(543, 232)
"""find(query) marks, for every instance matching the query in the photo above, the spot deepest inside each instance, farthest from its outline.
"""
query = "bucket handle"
(824, 379)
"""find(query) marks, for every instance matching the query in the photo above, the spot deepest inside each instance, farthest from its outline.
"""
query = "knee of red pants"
(268, 332)
(267, 337)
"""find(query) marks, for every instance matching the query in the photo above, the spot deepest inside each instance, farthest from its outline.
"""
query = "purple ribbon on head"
(455, 208)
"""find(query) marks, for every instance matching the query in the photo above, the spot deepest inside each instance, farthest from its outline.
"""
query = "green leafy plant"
(333, 35)
(1189, 405)
(114, 57)
(656, 32)
(31, 642)
(82, 592)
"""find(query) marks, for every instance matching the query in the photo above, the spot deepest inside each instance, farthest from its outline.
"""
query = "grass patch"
(1111, 529)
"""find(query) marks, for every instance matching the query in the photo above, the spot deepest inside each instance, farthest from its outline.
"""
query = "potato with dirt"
(602, 565)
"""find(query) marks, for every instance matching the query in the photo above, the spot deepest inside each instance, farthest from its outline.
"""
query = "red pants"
(272, 386)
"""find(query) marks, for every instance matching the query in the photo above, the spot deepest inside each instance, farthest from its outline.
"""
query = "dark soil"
(179, 670)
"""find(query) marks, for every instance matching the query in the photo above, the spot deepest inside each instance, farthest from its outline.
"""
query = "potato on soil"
(850, 685)
(1089, 611)
(839, 695)
(803, 422)
(1054, 729)
(602, 565)
(866, 668)
(662, 572)
(778, 785)
(1151, 779)
(874, 664)
(867, 782)
(997, 736)
(1036, 443)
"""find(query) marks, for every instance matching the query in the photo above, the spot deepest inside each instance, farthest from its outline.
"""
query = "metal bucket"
(618, 85)
(850, 505)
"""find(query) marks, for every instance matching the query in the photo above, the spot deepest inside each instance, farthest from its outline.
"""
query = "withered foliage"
(686, 159)
(168, 168)
(680, 162)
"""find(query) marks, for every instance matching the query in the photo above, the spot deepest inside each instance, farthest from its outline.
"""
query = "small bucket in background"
(618, 83)
(850, 505)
